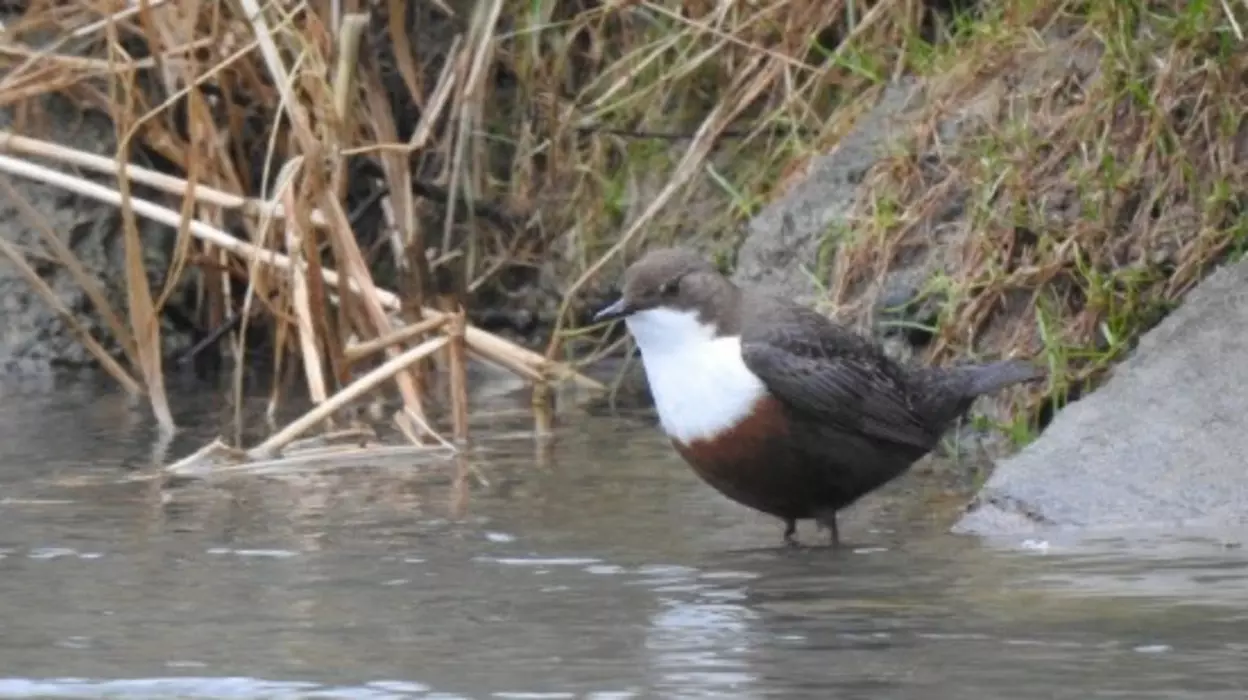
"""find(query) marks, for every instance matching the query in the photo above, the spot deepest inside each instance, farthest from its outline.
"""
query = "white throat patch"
(700, 384)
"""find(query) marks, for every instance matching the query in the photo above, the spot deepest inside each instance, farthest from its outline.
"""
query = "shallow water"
(597, 567)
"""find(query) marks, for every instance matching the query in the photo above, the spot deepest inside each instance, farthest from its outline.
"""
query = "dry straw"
(261, 108)
(309, 186)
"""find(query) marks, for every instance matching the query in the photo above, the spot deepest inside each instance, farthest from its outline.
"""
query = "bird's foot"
(790, 533)
(828, 522)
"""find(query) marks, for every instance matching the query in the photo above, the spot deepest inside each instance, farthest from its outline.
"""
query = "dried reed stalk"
(349, 37)
(340, 233)
(483, 344)
(359, 351)
(144, 317)
(392, 367)
(457, 369)
(305, 327)
(203, 194)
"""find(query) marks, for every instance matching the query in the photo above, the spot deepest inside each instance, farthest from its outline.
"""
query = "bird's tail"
(985, 379)
(947, 392)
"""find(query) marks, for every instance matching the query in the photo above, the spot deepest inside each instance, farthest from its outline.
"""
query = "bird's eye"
(669, 288)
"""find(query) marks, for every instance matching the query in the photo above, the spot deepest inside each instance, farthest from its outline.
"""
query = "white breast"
(700, 384)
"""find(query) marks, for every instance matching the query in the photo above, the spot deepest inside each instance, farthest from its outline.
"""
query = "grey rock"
(1163, 443)
(33, 337)
(781, 246)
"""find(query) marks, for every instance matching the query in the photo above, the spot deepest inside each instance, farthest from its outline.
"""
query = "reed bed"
(498, 136)
(331, 320)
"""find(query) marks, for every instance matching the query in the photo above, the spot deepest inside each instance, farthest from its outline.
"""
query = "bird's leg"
(790, 532)
(828, 520)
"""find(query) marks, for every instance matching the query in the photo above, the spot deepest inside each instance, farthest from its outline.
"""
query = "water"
(596, 568)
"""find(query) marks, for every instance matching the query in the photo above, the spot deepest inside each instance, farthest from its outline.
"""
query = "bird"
(775, 405)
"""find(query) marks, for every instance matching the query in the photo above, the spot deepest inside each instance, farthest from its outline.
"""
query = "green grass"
(1100, 198)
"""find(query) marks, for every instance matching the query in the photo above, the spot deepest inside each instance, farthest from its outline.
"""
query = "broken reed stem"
(388, 370)
(359, 351)
(457, 366)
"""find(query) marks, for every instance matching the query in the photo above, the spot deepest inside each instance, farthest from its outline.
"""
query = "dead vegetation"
(351, 176)
(482, 140)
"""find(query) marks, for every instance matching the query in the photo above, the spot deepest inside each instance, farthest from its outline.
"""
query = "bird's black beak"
(615, 311)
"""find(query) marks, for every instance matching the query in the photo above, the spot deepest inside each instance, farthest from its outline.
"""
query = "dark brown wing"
(833, 377)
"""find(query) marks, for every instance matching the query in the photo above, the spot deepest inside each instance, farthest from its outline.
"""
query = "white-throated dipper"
(776, 406)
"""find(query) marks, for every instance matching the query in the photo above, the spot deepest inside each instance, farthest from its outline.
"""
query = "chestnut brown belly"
(770, 485)
(757, 465)
(789, 470)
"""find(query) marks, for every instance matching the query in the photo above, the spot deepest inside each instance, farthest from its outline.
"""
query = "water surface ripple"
(597, 568)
